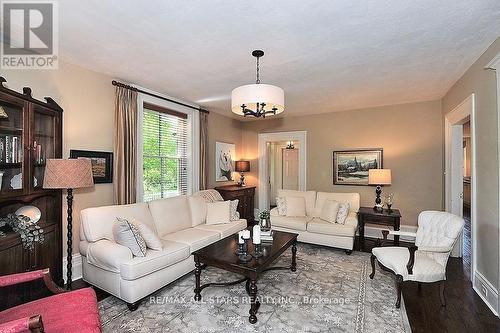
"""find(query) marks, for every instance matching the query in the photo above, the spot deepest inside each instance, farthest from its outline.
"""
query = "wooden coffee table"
(222, 255)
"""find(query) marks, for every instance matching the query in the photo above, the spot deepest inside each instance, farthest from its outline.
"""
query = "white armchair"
(426, 261)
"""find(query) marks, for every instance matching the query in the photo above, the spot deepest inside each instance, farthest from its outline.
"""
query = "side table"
(385, 217)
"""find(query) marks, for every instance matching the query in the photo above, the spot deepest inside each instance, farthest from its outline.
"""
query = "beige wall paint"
(222, 129)
(483, 84)
(410, 134)
(88, 101)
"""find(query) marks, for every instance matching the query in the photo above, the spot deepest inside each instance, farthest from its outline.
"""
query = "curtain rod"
(126, 86)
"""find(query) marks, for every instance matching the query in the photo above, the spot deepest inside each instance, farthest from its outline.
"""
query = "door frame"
(264, 138)
(458, 116)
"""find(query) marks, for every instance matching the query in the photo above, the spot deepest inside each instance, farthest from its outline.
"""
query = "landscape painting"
(102, 164)
(350, 167)
(224, 161)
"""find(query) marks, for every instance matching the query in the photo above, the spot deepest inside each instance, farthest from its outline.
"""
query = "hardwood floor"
(464, 311)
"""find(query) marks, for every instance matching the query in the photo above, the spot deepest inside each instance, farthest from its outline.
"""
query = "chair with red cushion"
(73, 311)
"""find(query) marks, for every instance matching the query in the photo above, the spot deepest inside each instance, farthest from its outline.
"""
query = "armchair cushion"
(74, 311)
(425, 269)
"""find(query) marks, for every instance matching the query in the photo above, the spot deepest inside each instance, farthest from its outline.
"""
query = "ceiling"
(327, 55)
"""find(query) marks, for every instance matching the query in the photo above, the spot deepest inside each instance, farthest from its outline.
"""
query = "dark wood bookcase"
(29, 135)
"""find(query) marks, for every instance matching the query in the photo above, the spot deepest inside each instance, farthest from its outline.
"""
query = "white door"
(290, 169)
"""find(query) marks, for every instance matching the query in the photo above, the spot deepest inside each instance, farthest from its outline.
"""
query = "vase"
(265, 224)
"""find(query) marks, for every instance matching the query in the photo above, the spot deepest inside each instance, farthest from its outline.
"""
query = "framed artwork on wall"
(102, 164)
(224, 161)
(350, 167)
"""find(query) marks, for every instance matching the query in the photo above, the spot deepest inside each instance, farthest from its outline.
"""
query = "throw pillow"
(343, 212)
(329, 211)
(218, 212)
(281, 205)
(152, 241)
(295, 206)
(235, 215)
(127, 234)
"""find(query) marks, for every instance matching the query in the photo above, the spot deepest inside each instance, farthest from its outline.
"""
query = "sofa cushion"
(218, 212)
(97, 222)
(294, 223)
(310, 197)
(295, 206)
(322, 227)
(172, 253)
(194, 237)
(351, 198)
(198, 208)
(224, 229)
(329, 211)
(170, 214)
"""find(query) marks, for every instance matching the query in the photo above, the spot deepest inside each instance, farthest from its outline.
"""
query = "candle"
(246, 234)
(240, 237)
(256, 234)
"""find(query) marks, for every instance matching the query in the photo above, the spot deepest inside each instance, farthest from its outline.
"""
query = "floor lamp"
(68, 174)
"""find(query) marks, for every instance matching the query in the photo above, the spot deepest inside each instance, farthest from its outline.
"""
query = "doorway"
(280, 166)
(460, 192)
(283, 165)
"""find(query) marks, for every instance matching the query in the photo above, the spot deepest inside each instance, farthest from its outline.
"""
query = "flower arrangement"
(264, 215)
(29, 231)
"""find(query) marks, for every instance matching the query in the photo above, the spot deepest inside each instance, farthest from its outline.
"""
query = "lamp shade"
(68, 173)
(242, 166)
(379, 177)
(250, 94)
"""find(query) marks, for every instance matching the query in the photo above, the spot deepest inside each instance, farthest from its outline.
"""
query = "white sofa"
(311, 228)
(179, 222)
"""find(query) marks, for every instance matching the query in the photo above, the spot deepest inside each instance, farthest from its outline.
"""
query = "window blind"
(165, 153)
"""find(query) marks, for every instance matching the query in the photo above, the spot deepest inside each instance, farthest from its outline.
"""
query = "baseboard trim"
(487, 292)
(76, 271)
(376, 232)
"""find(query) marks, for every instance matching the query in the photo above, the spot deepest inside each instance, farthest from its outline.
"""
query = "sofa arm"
(32, 324)
(108, 255)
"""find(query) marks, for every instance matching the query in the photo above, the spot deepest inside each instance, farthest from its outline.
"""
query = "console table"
(385, 217)
(245, 195)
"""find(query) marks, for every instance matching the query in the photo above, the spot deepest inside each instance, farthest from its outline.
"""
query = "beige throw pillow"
(329, 211)
(295, 206)
(235, 215)
(219, 212)
(152, 241)
(127, 234)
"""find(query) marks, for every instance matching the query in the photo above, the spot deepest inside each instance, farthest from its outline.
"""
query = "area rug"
(330, 292)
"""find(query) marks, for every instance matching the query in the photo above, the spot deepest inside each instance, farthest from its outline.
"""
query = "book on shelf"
(10, 151)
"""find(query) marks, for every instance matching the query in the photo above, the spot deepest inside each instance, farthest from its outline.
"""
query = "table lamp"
(68, 174)
(379, 178)
(241, 167)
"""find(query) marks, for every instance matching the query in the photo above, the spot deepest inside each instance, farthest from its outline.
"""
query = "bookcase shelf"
(10, 165)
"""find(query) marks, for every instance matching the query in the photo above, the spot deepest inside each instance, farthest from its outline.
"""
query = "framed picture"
(102, 164)
(224, 161)
(350, 167)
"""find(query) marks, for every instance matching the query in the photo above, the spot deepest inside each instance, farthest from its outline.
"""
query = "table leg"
(254, 303)
(293, 268)
(197, 274)
(361, 235)
(396, 237)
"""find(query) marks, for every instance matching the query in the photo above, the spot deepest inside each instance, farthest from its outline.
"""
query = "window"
(164, 153)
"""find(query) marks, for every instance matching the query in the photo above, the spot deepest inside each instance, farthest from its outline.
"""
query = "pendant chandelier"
(258, 100)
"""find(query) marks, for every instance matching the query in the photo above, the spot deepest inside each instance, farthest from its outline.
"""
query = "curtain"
(125, 159)
(203, 150)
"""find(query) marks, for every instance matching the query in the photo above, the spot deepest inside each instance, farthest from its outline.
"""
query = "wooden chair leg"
(372, 259)
(399, 286)
(441, 293)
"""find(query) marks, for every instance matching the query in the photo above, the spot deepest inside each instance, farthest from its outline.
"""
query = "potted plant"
(265, 220)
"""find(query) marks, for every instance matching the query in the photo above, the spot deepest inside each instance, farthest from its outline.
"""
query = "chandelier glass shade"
(258, 100)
